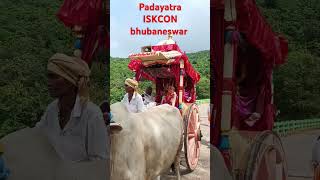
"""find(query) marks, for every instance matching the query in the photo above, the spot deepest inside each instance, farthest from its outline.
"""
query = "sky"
(194, 16)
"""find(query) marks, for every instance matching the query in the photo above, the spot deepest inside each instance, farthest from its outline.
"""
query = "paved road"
(202, 172)
(297, 147)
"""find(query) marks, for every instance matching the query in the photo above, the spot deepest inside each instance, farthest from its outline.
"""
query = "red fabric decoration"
(216, 55)
(217, 4)
(138, 67)
(273, 47)
(89, 15)
(267, 47)
(170, 74)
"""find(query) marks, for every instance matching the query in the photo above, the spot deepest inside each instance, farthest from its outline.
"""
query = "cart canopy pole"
(181, 83)
(228, 93)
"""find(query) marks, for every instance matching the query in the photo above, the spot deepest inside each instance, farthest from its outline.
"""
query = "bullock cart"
(166, 65)
(242, 38)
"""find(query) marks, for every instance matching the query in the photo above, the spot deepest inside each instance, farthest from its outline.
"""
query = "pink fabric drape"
(162, 76)
(216, 56)
(92, 17)
(137, 66)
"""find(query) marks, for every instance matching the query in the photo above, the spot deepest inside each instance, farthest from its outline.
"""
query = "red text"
(160, 18)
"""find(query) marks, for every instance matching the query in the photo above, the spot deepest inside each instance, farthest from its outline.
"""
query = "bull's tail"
(177, 158)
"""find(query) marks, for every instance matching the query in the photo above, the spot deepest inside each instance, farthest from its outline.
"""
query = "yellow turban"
(74, 70)
(132, 83)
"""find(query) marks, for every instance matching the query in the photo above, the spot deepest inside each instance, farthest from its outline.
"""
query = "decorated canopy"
(162, 68)
(162, 65)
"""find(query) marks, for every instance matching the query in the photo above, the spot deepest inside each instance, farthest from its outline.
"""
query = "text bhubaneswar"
(147, 31)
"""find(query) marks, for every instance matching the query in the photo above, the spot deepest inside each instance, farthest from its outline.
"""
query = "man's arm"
(162, 99)
(123, 98)
(140, 104)
(259, 108)
(173, 100)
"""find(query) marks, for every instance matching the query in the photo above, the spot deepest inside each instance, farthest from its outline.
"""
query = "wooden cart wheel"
(316, 173)
(192, 139)
(267, 160)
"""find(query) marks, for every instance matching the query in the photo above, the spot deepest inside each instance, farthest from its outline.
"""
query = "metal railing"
(203, 101)
(284, 128)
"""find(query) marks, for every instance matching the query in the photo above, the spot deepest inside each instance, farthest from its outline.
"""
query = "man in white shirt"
(147, 96)
(73, 125)
(132, 99)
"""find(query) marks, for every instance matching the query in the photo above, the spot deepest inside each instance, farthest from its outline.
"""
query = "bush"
(296, 86)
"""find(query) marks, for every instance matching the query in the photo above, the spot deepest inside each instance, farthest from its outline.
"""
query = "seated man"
(147, 96)
(132, 99)
(170, 96)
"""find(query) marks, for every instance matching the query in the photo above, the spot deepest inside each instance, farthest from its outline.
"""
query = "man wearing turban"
(132, 99)
(73, 125)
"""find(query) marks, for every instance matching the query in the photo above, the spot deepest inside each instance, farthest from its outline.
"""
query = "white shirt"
(83, 138)
(135, 105)
(148, 99)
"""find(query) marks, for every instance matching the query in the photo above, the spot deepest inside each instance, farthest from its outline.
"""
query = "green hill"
(297, 86)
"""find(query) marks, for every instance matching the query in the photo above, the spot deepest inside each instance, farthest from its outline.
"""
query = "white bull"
(29, 155)
(149, 143)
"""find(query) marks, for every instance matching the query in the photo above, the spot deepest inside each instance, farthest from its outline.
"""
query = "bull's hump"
(118, 106)
(164, 110)
(165, 107)
(164, 113)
